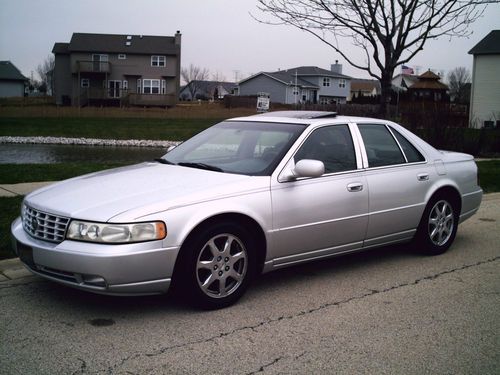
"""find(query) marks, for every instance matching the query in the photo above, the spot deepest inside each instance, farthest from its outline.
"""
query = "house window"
(125, 85)
(326, 82)
(85, 83)
(341, 83)
(295, 92)
(150, 86)
(158, 60)
(163, 87)
(122, 56)
(139, 86)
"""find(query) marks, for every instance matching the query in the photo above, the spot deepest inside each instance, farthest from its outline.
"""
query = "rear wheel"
(217, 265)
(438, 226)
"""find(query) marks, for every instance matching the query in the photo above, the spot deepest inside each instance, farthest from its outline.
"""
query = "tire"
(438, 226)
(216, 266)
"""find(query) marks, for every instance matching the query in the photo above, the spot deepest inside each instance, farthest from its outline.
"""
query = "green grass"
(489, 175)
(105, 128)
(10, 208)
(17, 173)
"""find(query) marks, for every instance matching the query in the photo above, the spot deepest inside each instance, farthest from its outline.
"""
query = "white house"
(485, 92)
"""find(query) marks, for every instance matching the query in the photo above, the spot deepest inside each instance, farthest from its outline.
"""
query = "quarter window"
(158, 60)
(412, 154)
(381, 147)
(333, 146)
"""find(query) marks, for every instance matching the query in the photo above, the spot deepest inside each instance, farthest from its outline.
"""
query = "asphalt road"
(387, 311)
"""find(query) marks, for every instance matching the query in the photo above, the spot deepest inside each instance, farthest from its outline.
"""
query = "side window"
(412, 154)
(381, 147)
(333, 146)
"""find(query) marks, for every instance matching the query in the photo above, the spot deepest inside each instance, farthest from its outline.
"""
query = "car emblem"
(34, 224)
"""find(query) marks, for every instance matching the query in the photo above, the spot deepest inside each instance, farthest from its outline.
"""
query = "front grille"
(44, 226)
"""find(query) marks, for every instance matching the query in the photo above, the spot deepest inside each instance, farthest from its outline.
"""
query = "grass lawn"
(489, 175)
(17, 173)
(10, 208)
(104, 128)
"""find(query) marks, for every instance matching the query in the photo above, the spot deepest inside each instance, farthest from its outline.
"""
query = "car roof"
(306, 117)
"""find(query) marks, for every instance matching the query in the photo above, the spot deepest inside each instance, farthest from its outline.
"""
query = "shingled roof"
(489, 45)
(429, 80)
(113, 43)
(314, 71)
(8, 71)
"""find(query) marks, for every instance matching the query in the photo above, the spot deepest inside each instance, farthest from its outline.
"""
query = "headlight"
(116, 233)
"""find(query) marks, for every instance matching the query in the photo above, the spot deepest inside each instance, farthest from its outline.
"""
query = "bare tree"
(191, 76)
(388, 33)
(44, 70)
(458, 80)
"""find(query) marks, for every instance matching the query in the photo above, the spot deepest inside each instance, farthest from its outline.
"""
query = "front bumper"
(130, 269)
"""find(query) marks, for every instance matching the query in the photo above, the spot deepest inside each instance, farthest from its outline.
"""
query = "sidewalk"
(12, 190)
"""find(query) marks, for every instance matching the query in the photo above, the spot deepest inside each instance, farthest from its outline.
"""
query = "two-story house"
(108, 69)
(485, 92)
(304, 84)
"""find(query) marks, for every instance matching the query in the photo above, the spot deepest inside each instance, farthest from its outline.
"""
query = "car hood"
(139, 190)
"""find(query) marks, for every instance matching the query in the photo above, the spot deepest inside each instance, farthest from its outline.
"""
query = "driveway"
(383, 311)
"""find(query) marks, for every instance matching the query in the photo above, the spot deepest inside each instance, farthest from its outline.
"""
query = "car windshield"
(250, 148)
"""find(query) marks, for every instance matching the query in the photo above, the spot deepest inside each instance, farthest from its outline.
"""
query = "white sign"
(262, 104)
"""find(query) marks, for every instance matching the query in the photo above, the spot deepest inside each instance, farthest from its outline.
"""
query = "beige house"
(107, 69)
(485, 92)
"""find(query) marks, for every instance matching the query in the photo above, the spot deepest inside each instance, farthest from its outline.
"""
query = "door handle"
(354, 187)
(423, 176)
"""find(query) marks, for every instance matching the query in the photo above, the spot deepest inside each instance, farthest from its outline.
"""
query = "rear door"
(398, 179)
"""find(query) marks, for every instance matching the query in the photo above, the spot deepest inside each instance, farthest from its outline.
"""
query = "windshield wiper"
(164, 161)
(202, 166)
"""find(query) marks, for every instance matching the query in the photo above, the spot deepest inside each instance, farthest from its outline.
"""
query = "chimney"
(178, 38)
(336, 68)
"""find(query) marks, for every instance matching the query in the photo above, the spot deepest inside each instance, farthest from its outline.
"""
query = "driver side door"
(318, 217)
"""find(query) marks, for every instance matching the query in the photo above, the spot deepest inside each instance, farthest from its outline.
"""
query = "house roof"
(489, 45)
(365, 85)
(113, 43)
(314, 71)
(429, 80)
(61, 48)
(8, 71)
(208, 85)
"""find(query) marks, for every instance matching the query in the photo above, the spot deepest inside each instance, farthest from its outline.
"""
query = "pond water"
(43, 154)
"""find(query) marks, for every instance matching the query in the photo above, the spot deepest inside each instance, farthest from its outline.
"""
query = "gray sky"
(216, 34)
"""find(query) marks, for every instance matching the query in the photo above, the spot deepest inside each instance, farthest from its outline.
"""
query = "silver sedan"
(248, 195)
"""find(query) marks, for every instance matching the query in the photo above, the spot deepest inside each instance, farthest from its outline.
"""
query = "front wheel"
(438, 226)
(217, 265)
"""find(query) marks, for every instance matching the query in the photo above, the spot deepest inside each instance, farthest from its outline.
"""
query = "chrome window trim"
(357, 153)
(366, 166)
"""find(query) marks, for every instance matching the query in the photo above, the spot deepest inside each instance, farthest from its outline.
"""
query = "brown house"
(428, 88)
(107, 69)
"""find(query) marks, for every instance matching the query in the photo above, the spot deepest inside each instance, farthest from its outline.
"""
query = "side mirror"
(303, 168)
(308, 168)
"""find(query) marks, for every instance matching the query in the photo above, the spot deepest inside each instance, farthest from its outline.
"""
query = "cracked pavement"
(384, 311)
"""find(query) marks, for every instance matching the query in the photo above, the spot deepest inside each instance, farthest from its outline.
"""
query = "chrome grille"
(44, 226)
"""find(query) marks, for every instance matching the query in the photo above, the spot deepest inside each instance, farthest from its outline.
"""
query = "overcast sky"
(216, 34)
